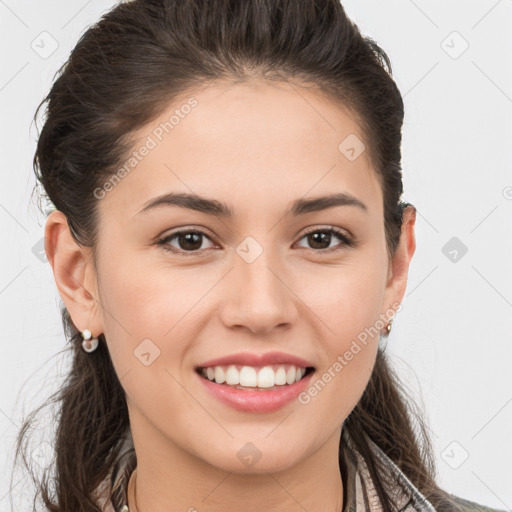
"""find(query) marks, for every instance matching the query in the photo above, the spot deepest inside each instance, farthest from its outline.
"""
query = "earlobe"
(72, 270)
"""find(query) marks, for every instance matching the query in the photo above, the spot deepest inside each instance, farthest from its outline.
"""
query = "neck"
(172, 479)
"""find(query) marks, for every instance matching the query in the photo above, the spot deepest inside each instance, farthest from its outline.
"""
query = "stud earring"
(89, 344)
(390, 324)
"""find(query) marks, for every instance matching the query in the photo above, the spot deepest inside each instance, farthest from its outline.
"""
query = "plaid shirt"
(359, 489)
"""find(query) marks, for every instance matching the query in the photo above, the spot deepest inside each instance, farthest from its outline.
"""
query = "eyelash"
(347, 241)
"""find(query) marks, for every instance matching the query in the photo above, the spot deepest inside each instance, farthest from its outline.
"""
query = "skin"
(256, 147)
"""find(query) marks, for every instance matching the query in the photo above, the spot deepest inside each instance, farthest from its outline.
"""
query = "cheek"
(148, 333)
(348, 358)
(135, 316)
(152, 316)
(147, 301)
(348, 304)
(348, 301)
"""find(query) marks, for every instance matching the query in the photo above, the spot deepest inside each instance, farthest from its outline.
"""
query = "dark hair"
(137, 59)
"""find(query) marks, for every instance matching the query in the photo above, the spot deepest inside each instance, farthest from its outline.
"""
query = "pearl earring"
(89, 344)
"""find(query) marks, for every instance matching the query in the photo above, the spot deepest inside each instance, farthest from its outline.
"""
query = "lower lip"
(256, 401)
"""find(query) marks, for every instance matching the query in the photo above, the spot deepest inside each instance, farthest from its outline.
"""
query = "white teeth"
(232, 376)
(290, 375)
(280, 378)
(220, 376)
(249, 376)
(266, 377)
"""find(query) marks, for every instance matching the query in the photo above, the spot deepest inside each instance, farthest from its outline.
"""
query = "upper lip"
(251, 359)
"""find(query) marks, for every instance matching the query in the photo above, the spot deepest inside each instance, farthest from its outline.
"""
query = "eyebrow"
(220, 209)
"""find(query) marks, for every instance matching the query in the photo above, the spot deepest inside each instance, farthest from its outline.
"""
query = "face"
(181, 284)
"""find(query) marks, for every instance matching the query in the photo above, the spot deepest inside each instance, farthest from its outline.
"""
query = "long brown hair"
(124, 70)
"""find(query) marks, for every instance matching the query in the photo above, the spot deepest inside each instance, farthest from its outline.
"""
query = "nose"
(258, 296)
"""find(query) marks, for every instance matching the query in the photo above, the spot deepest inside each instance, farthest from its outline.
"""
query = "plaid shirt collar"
(360, 492)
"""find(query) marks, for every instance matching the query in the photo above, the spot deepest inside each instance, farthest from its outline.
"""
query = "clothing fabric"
(359, 490)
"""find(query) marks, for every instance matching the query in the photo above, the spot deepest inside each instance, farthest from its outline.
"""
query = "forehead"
(248, 141)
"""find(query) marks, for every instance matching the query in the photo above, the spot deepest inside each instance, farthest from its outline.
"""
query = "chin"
(251, 460)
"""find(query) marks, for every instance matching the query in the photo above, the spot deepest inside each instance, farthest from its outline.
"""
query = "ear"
(399, 264)
(74, 273)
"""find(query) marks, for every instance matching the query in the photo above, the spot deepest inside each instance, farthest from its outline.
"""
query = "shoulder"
(472, 506)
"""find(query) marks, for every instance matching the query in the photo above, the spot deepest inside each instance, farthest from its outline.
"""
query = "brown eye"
(187, 242)
(321, 239)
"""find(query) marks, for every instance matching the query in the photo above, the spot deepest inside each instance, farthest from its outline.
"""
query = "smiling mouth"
(267, 377)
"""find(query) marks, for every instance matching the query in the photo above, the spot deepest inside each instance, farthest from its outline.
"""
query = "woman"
(230, 245)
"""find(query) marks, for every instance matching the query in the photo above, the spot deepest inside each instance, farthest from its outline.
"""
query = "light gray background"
(452, 341)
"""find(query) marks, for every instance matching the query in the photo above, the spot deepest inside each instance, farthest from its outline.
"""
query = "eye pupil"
(189, 238)
(317, 238)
